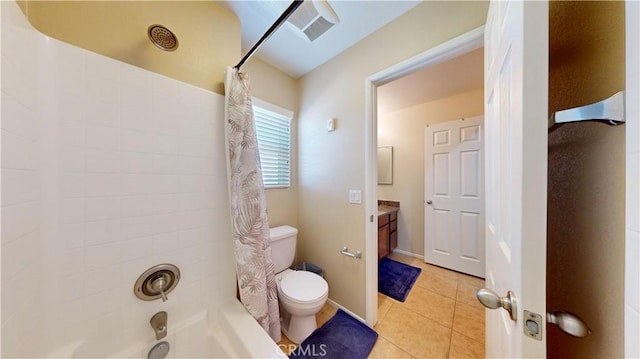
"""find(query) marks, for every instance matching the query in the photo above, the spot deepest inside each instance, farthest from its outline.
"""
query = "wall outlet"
(355, 196)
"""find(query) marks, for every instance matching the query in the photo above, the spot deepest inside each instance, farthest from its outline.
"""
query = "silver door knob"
(491, 300)
(569, 323)
(429, 201)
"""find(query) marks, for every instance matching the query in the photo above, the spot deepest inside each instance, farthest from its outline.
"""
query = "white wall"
(21, 196)
(107, 169)
(632, 239)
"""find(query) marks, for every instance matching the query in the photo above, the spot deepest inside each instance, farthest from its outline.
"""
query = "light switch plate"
(355, 196)
(331, 125)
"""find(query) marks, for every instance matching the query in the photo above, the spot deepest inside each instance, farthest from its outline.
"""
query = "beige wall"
(329, 164)
(586, 180)
(208, 34)
(404, 130)
(274, 86)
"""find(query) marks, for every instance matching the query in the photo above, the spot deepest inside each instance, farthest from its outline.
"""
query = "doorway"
(452, 49)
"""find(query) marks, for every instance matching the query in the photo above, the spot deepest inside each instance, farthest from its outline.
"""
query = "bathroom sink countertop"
(386, 207)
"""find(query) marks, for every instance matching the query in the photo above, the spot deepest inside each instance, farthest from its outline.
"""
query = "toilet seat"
(303, 287)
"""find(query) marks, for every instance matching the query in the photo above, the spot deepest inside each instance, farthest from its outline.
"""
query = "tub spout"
(159, 324)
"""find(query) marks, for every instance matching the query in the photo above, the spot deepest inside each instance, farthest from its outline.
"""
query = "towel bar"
(356, 255)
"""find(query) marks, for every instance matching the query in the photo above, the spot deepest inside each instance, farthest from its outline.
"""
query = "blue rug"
(341, 337)
(395, 279)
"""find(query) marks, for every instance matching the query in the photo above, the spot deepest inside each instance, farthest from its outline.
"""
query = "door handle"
(429, 201)
(569, 323)
(491, 300)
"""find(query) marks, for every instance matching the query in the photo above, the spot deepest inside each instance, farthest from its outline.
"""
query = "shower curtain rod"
(285, 15)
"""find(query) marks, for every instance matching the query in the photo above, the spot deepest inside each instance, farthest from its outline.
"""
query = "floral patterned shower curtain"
(250, 231)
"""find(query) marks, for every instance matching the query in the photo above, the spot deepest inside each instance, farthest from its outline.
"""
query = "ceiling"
(461, 74)
(290, 52)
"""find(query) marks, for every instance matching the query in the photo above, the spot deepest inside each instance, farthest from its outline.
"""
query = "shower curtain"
(250, 227)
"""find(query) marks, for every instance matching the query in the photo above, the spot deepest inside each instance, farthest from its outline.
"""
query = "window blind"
(274, 143)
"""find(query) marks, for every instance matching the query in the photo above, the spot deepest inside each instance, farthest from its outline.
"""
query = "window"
(273, 129)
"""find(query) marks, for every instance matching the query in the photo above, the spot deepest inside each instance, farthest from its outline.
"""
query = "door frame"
(632, 132)
(453, 48)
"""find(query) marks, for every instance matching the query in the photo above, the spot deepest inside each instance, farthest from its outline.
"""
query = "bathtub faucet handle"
(159, 285)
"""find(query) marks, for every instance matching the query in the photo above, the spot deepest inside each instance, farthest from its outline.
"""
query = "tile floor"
(441, 318)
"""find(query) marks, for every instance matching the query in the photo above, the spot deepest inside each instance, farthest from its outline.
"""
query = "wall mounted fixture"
(609, 111)
(156, 282)
(159, 324)
(345, 252)
(162, 37)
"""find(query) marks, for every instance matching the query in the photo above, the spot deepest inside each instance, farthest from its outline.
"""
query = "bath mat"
(395, 279)
(341, 337)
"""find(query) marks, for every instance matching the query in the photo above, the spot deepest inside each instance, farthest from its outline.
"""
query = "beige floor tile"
(440, 299)
(430, 268)
(467, 294)
(463, 347)
(471, 280)
(431, 305)
(384, 304)
(384, 349)
(415, 334)
(326, 313)
(322, 318)
(383, 300)
(438, 283)
(469, 321)
(329, 309)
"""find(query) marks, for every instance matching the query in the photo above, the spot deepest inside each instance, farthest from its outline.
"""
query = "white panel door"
(516, 102)
(454, 195)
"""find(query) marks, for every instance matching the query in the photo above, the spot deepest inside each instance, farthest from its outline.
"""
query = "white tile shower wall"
(132, 174)
(21, 226)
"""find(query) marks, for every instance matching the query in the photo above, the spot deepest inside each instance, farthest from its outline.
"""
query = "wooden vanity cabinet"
(387, 233)
(383, 236)
(393, 231)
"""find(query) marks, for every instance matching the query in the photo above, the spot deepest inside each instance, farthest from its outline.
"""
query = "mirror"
(385, 165)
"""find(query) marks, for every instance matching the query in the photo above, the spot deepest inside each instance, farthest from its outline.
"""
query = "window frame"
(280, 111)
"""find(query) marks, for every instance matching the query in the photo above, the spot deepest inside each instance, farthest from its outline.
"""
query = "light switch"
(355, 196)
(331, 124)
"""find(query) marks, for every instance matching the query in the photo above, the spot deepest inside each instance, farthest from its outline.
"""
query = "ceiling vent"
(314, 18)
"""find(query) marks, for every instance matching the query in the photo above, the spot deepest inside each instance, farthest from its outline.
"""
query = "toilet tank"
(283, 247)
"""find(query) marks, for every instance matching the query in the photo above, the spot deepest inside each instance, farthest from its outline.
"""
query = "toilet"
(301, 294)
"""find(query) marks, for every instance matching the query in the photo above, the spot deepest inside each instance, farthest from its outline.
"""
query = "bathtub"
(229, 332)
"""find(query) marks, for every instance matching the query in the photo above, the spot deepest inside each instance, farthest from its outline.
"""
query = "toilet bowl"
(301, 294)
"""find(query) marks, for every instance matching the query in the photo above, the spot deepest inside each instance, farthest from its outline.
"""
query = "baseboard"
(336, 305)
(400, 251)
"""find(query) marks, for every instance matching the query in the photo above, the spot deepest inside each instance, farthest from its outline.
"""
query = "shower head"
(162, 37)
